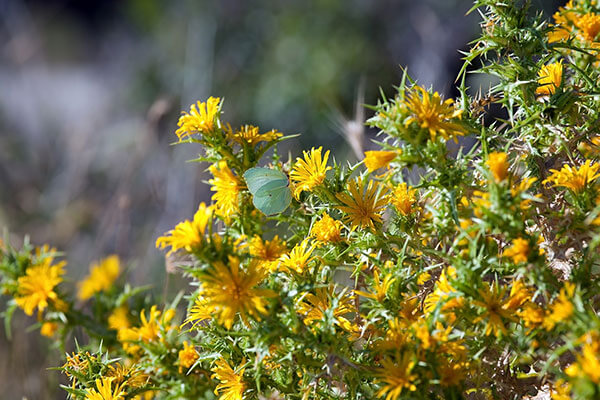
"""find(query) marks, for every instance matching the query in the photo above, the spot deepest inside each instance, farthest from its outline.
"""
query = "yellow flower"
(403, 198)
(380, 288)
(187, 235)
(187, 356)
(78, 363)
(104, 390)
(151, 328)
(251, 135)
(589, 26)
(496, 310)
(444, 294)
(549, 78)
(229, 290)
(430, 112)
(562, 19)
(231, 386)
(532, 315)
(298, 258)
(378, 159)
(562, 308)
(36, 288)
(313, 307)
(588, 361)
(202, 118)
(363, 206)
(327, 230)
(131, 375)
(518, 251)
(575, 179)
(498, 165)
(48, 329)
(119, 318)
(310, 172)
(396, 376)
(267, 251)
(199, 312)
(227, 188)
(102, 276)
(561, 390)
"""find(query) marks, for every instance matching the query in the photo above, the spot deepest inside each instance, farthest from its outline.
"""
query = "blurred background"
(90, 94)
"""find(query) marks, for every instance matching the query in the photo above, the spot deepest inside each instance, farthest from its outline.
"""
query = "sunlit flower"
(363, 206)
(518, 251)
(589, 26)
(430, 112)
(202, 118)
(227, 188)
(549, 78)
(36, 288)
(395, 376)
(563, 19)
(250, 135)
(298, 258)
(313, 307)
(48, 329)
(404, 198)
(588, 361)
(498, 165)
(532, 315)
(444, 293)
(130, 375)
(379, 288)
(575, 179)
(187, 356)
(187, 235)
(267, 252)
(104, 390)
(119, 318)
(495, 309)
(102, 276)
(200, 312)
(561, 308)
(228, 290)
(378, 159)
(327, 230)
(309, 172)
(231, 386)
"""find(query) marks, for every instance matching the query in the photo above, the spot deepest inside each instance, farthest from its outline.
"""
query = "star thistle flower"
(313, 307)
(363, 205)
(589, 26)
(575, 179)
(396, 376)
(518, 251)
(380, 288)
(227, 188)
(561, 308)
(231, 386)
(229, 290)
(378, 159)
(309, 172)
(102, 276)
(187, 356)
(187, 235)
(403, 198)
(250, 135)
(48, 329)
(549, 78)
(430, 112)
(267, 251)
(498, 165)
(202, 118)
(104, 390)
(119, 318)
(152, 327)
(563, 19)
(495, 309)
(36, 288)
(588, 361)
(327, 230)
(298, 258)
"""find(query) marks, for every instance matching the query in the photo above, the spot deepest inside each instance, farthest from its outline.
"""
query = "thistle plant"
(473, 277)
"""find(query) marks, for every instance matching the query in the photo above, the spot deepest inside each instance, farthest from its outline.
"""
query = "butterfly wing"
(273, 197)
(259, 177)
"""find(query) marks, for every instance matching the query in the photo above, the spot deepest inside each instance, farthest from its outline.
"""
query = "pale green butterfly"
(270, 189)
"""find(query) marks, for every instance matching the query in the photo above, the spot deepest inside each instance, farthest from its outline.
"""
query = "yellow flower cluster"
(102, 276)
